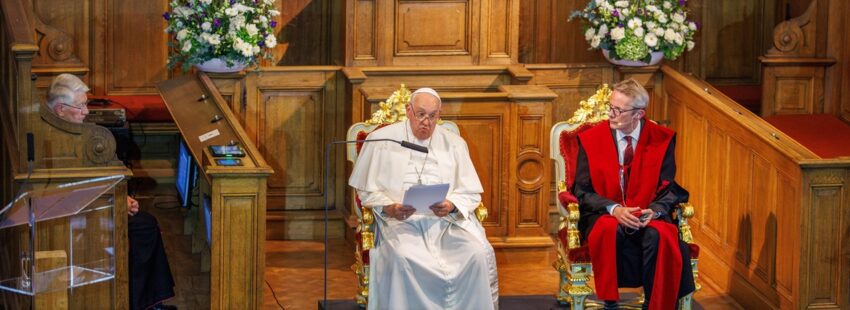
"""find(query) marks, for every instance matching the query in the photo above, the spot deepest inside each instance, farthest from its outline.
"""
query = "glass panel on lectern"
(59, 237)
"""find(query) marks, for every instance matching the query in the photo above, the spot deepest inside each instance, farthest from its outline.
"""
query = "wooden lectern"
(237, 194)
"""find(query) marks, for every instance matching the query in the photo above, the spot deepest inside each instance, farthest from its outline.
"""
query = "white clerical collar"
(635, 134)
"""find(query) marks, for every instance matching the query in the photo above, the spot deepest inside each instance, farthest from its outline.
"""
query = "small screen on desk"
(186, 176)
(226, 151)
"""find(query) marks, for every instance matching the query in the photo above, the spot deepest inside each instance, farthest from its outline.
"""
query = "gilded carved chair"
(573, 262)
(390, 111)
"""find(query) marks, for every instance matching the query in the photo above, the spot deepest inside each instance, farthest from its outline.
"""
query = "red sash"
(601, 149)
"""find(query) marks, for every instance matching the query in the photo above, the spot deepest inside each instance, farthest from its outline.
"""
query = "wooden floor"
(294, 269)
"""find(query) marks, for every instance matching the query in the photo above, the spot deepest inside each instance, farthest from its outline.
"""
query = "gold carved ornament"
(594, 109)
(393, 109)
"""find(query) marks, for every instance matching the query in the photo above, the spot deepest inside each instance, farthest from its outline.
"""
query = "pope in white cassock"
(440, 260)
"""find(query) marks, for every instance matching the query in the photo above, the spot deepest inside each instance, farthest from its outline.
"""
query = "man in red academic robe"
(625, 186)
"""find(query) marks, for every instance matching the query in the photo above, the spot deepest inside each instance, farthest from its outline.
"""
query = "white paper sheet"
(423, 196)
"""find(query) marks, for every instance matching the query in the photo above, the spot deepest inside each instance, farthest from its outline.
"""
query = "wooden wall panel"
(498, 17)
(745, 24)
(823, 238)
(433, 28)
(762, 246)
(135, 47)
(787, 216)
(363, 32)
(419, 32)
(291, 113)
(292, 122)
(532, 174)
(546, 35)
(307, 32)
(737, 203)
(714, 218)
(793, 90)
(571, 82)
(842, 88)
(484, 129)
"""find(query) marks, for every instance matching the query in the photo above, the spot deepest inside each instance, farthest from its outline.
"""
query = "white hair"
(64, 88)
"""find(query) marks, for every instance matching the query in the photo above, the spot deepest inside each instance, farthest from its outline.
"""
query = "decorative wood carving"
(57, 48)
(67, 144)
(795, 68)
(796, 36)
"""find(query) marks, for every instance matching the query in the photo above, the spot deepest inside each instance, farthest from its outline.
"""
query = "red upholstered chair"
(390, 111)
(573, 261)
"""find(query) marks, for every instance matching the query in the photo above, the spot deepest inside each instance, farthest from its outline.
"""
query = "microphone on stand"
(328, 146)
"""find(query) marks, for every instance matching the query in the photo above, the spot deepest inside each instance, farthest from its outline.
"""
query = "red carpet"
(825, 135)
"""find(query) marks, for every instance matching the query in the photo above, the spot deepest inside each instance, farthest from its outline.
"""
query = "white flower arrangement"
(236, 31)
(632, 29)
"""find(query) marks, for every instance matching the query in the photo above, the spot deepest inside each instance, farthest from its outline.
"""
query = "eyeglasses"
(421, 116)
(615, 111)
(74, 107)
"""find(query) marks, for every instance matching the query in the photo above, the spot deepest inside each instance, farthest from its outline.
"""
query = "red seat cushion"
(140, 108)
(694, 250)
(580, 254)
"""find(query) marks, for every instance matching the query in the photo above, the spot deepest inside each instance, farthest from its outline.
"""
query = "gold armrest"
(572, 225)
(366, 234)
(685, 212)
(481, 212)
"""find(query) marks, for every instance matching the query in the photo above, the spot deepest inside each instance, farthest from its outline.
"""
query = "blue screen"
(208, 218)
(186, 175)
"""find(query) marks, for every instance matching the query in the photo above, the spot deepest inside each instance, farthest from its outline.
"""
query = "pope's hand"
(443, 208)
(132, 206)
(399, 211)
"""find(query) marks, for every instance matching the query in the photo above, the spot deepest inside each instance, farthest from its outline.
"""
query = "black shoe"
(164, 307)
(611, 305)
